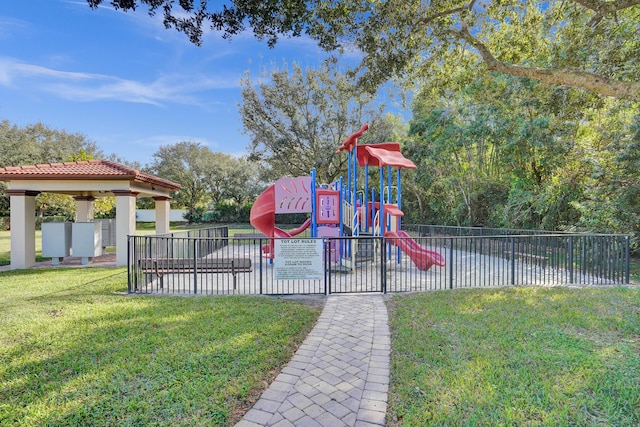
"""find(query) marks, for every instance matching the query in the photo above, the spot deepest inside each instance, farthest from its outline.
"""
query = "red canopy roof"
(385, 154)
(364, 156)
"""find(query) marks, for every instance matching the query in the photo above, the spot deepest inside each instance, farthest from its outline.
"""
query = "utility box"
(56, 241)
(86, 241)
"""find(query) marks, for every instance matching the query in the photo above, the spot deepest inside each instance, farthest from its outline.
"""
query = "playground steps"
(364, 252)
(366, 249)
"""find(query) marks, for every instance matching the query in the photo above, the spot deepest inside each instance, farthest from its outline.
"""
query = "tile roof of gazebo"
(84, 170)
(85, 180)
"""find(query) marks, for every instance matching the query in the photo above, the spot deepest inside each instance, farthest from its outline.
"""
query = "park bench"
(533, 258)
(162, 266)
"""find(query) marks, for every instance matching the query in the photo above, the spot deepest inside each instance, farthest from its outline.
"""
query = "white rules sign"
(297, 259)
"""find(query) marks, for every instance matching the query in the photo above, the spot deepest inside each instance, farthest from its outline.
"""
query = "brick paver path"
(340, 374)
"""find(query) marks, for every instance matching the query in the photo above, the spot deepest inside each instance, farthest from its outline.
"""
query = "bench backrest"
(190, 263)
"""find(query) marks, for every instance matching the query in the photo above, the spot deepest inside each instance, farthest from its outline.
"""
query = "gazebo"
(85, 181)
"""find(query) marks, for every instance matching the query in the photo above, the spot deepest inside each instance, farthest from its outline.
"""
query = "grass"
(5, 247)
(518, 356)
(634, 270)
(73, 351)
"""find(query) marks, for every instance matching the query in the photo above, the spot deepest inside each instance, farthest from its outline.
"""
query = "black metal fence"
(430, 258)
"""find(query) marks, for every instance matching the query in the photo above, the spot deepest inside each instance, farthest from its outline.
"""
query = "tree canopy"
(503, 151)
(267, 19)
(208, 178)
(189, 164)
(590, 44)
(297, 119)
(38, 143)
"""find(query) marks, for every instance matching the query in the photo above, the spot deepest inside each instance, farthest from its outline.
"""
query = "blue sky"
(125, 81)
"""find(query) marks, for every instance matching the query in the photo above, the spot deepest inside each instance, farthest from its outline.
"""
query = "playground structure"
(342, 209)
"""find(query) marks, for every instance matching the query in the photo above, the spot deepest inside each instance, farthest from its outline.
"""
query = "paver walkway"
(340, 374)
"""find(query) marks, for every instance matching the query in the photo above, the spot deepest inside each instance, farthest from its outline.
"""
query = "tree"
(60, 146)
(58, 205)
(244, 184)
(500, 151)
(457, 163)
(590, 44)
(267, 19)
(611, 198)
(187, 163)
(224, 168)
(582, 43)
(208, 178)
(16, 147)
(38, 143)
(297, 119)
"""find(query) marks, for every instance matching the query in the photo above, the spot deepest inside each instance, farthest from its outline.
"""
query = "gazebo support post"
(84, 208)
(162, 214)
(23, 228)
(125, 222)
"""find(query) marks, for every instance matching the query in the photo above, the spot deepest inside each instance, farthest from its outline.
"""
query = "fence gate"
(353, 265)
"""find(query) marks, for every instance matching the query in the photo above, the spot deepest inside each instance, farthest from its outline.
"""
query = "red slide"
(421, 257)
(278, 232)
(263, 218)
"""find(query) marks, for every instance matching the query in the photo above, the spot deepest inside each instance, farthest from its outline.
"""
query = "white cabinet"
(86, 241)
(56, 241)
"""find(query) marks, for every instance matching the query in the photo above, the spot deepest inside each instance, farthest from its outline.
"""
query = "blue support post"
(340, 212)
(388, 218)
(399, 198)
(381, 211)
(366, 196)
(347, 197)
(399, 252)
(355, 173)
(341, 215)
(373, 209)
(389, 173)
(314, 207)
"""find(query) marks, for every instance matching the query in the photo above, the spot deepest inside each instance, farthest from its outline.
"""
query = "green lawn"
(516, 357)
(5, 247)
(73, 351)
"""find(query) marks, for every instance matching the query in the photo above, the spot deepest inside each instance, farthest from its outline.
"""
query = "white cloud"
(12, 26)
(85, 87)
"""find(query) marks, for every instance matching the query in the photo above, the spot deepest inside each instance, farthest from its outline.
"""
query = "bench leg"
(155, 265)
(148, 278)
(233, 273)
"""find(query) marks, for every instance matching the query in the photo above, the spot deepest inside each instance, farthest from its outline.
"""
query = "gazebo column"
(125, 222)
(23, 228)
(163, 211)
(84, 208)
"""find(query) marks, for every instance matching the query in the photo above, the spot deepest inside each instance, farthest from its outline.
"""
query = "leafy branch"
(566, 77)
